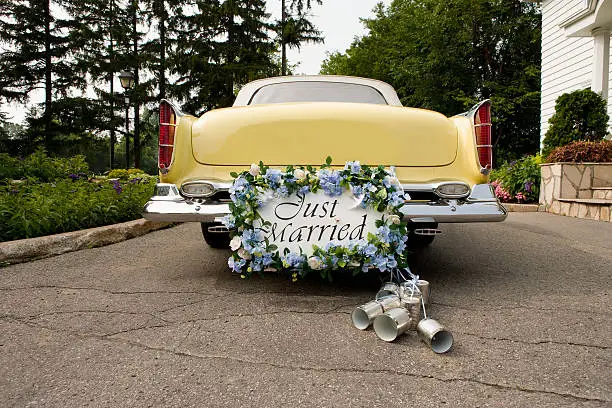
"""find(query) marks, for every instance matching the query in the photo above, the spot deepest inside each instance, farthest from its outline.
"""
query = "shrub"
(132, 172)
(579, 115)
(121, 174)
(518, 181)
(41, 167)
(10, 167)
(585, 152)
(30, 209)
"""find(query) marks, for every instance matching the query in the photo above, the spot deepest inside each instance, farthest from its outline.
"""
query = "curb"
(521, 207)
(24, 250)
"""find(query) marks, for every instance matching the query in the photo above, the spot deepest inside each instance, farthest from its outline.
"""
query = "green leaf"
(234, 174)
(328, 160)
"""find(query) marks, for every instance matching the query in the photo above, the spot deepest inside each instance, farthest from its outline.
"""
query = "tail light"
(167, 125)
(482, 129)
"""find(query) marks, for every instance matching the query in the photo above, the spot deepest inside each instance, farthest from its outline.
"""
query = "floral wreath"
(374, 187)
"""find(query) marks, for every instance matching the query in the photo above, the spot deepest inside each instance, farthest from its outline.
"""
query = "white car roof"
(246, 93)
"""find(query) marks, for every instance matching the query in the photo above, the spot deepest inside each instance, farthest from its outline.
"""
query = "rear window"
(313, 91)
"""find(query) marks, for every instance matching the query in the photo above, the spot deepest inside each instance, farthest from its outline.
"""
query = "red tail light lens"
(167, 125)
(482, 127)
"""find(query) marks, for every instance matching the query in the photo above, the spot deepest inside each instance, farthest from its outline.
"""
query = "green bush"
(582, 152)
(132, 172)
(29, 209)
(518, 181)
(41, 167)
(121, 174)
(579, 115)
(10, 167)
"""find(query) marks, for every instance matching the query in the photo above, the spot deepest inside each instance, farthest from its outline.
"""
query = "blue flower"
(236, 265)
(383, 233)
(380, 262)
(304, 189)
(273, 177)
(229, 221)
(330, 182)
(251, 239)
(356, 190)
(117, 186)
(396, 198)
(401, 247)
(282, 191)
(369, 250)
(329, 246)
(354, 166)
(239, 189)
(257, 264)
(267, 259)
(293, 260)
(529, 186)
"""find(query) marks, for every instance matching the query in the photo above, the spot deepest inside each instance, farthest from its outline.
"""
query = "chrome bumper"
(481, 206)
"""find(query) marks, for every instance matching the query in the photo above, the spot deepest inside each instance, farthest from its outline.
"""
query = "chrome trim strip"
(480, 206)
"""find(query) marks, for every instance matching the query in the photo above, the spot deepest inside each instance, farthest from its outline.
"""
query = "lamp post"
(127, 83)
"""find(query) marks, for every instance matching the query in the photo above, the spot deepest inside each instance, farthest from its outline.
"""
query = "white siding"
(566, 62)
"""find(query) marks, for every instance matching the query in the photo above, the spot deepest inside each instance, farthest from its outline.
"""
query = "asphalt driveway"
(160, 321)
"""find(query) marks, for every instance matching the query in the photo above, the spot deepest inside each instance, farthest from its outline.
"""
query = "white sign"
(304, 220)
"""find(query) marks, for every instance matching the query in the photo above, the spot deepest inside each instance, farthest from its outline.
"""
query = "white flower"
(299, 174)
(314, 263)
(244, 254)
(394, 218)
(254, 171)
(235, 243)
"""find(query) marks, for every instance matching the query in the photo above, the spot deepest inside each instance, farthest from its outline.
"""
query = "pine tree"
(220, 47)
(100, 37)
(38, 50)
(294, 28)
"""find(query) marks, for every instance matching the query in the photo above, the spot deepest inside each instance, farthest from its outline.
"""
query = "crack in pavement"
(561, 343)
(291, 367)
(112, 292)
(501, 308)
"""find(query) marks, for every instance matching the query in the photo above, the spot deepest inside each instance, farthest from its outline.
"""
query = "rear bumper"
(481, 206)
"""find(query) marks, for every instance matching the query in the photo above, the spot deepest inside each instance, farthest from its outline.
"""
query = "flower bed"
(59, 196)
(518, 181)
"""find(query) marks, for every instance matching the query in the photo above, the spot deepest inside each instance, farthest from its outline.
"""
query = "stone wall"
(582, 190)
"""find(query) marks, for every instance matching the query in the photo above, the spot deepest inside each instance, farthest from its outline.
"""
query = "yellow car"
(442, 163)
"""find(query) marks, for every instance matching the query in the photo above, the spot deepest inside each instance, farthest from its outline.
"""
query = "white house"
(575, 51)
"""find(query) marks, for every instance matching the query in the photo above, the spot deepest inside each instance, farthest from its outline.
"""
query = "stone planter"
(581, 190)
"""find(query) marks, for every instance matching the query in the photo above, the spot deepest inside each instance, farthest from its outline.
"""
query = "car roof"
(246, 93)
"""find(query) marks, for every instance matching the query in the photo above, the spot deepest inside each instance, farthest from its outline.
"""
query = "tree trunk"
(162, 52)
(111, 78)
(283, 45)
(135, 94)
(48, 77)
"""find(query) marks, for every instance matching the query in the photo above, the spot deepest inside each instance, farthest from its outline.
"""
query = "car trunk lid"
(306, 133)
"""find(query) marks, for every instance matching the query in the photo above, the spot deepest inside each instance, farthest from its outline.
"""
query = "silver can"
(363, 315)
(388, 289)
(425, 290)
(390, 325)
(433, 333)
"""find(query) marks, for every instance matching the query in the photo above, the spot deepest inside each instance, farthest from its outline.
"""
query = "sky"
(338, 20)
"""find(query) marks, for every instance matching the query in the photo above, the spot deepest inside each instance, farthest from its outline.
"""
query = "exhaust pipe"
(218, 229)
(427, 231)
